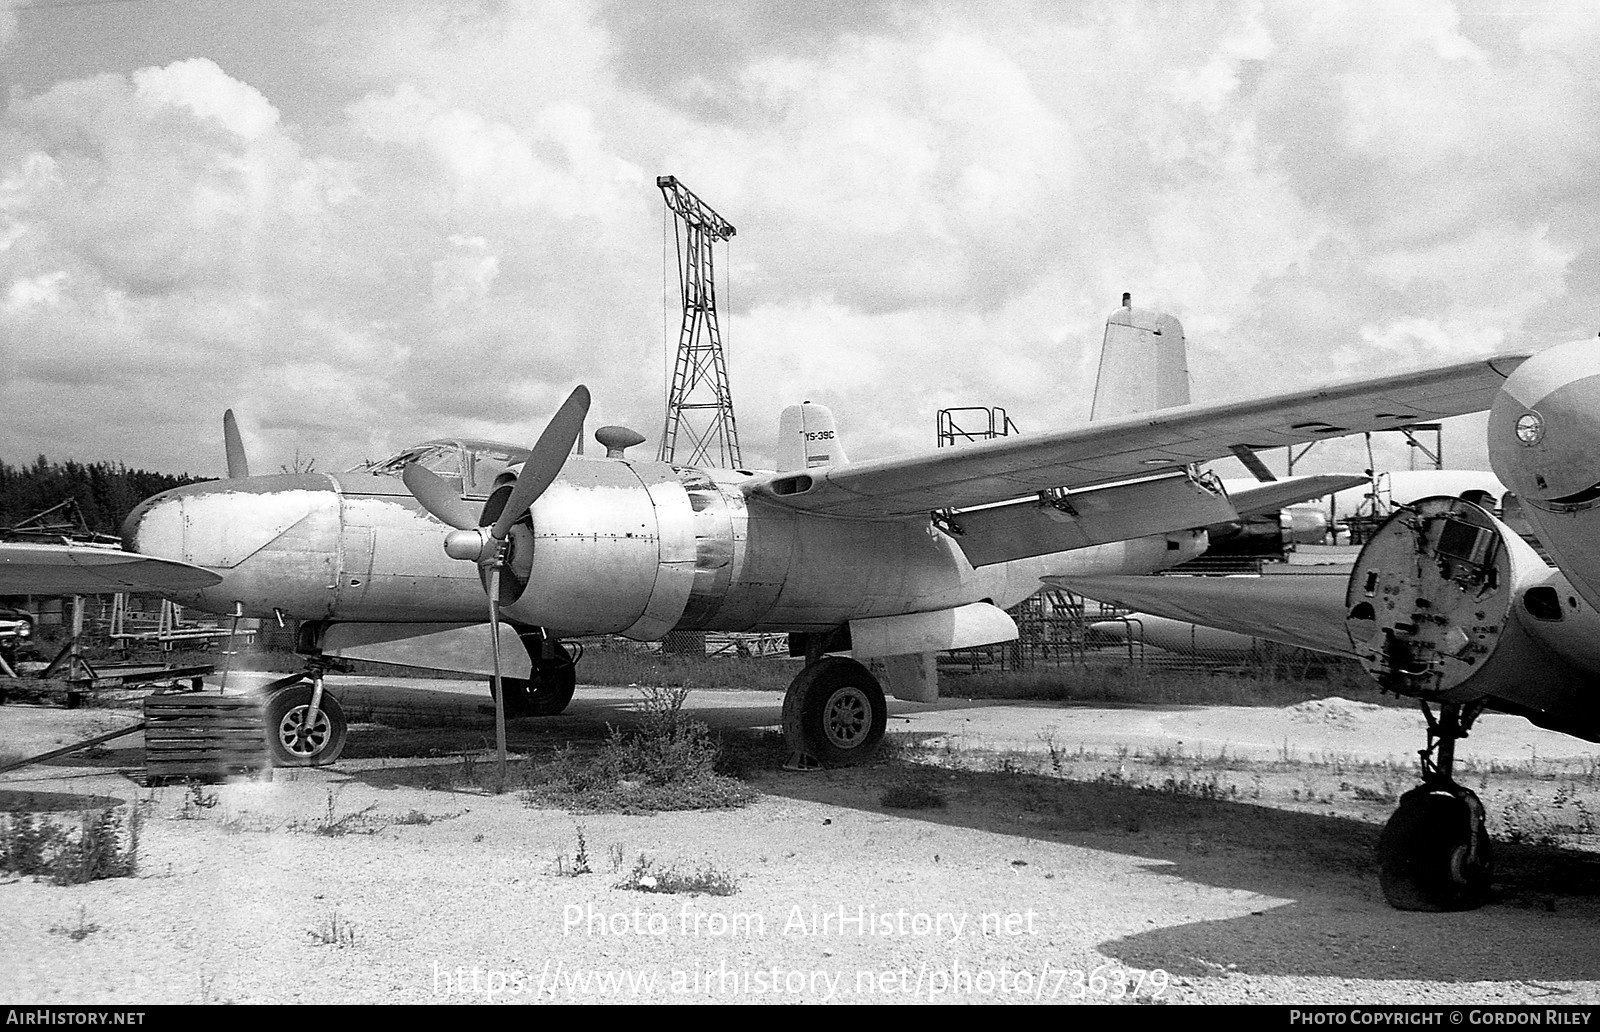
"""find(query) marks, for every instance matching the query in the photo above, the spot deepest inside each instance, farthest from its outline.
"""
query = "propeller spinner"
(485, 544)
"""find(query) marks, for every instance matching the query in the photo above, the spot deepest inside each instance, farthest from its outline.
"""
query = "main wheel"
(292, 741)
(835, 711)
(545, 694)
(1434, 854)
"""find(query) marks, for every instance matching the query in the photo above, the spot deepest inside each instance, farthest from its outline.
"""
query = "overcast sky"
(361, 224)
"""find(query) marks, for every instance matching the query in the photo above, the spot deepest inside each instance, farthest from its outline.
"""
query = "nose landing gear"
(305, 724)
(1434, 853)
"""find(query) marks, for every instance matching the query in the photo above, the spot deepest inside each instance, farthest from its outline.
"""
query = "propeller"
(471, 539)
(238, 465)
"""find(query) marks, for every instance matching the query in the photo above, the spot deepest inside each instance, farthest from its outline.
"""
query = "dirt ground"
(1069, 854)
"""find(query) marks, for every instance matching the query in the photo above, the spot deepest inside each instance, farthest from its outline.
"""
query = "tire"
(292, 746)
(835, 711)
(546, 695)
(1434, 853)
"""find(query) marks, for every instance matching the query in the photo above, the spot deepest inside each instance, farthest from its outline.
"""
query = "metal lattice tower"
(699, 403)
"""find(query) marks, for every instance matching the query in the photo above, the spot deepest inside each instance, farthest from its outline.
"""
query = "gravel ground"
(1079, 854)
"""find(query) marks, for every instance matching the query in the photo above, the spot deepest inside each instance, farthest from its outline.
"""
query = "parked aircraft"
(890, 559)
(1449, 604)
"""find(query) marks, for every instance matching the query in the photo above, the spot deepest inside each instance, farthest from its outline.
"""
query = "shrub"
(106, 846)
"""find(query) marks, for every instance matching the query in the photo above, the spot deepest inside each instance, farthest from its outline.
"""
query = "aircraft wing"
(1133, 446)
(29, 569)
(1304, 609)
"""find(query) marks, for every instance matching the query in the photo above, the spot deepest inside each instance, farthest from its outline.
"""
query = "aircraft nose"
(1544, 426)
(222, 523)
(155, 527)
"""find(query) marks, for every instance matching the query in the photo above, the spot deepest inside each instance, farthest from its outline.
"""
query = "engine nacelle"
(1447, 604)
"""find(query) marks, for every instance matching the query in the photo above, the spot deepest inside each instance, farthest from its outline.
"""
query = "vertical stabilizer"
(807, 438)
(1143, 365)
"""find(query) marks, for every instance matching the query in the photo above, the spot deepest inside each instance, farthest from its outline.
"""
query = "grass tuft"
(651, 876)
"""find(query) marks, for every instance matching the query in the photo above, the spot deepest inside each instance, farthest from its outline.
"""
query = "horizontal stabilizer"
(1275, 494)
(28, 569)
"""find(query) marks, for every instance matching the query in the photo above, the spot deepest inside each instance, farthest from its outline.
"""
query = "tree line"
(104, 492)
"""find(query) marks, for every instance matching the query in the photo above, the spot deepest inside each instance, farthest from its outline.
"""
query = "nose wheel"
(305, 724)
(1434, 853)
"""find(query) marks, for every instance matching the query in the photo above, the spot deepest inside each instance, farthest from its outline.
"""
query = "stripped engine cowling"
(1447, 603)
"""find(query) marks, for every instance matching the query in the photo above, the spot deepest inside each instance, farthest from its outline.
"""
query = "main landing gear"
(550, 684)
(1434, 853)
(305, 723)
(833, 714)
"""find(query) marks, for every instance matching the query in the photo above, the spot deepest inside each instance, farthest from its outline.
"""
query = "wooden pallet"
(203, 736)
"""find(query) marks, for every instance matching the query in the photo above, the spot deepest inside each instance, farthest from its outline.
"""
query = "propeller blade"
(499, 683)
(438, 497)
(238, 465)
(545, 461)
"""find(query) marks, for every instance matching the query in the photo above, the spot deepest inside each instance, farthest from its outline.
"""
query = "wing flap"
(1017, 530)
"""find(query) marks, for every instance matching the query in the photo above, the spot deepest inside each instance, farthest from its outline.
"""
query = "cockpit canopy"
(473, 465)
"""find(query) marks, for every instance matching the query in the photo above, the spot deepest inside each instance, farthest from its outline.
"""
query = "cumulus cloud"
(942, 197)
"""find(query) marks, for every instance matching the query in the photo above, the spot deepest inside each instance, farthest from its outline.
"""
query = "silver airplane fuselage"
(614, 546)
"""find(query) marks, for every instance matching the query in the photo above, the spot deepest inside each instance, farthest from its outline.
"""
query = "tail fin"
(1143, 365)
(807, 438)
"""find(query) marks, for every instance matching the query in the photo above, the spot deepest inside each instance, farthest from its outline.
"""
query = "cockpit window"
(488, 462)
(475, 464)
(443, 458)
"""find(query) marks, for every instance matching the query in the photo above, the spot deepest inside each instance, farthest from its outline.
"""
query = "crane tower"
(699, 403)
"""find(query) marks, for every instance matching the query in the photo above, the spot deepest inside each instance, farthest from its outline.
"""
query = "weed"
(668, 762)
(650, 876)
(911, 795)
(82, 930)
(614, 855)
(1048, 737)
(333, 932)
(195, 802)
(331, 826)
(1194, 788)
(105, 846)
(580, 860)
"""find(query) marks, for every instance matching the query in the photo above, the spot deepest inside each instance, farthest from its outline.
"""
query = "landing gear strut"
(833, 714)
(1434, 853)
(305, 723)
(549, 686)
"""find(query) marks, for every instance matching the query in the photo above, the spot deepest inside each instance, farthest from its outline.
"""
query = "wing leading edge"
(1133, 446)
